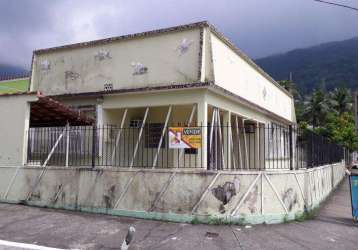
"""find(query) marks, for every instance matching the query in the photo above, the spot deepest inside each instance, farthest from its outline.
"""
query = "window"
(153, 133)
(191, 151)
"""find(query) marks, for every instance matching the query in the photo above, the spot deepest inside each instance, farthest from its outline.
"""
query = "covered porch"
(132, 130)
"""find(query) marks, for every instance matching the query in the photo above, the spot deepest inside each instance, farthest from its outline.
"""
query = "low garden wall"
(174, 195)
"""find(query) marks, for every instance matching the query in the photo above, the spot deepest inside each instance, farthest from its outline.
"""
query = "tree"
(330, 115)
(316, 108)
(340, 100)
(290, 87)
(341, 129)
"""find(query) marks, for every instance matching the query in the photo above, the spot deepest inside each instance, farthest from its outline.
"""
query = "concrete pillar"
(26, 133)
(226, 138)
(257, 145)
(202, 117)
(99, 124)
(307, 189)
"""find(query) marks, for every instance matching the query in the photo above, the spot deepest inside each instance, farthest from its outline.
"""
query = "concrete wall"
(88, 68)
(14, 111)
(233, 73)
(245, 197)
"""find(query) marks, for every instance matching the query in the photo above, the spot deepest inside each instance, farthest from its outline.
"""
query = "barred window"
(153, 133)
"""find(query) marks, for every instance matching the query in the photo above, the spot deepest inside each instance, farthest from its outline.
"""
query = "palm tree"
(340, 100)
(290, 87)
(316, 108)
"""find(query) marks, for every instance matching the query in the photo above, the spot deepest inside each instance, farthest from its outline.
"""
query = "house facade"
(189, 74)
(173, 124)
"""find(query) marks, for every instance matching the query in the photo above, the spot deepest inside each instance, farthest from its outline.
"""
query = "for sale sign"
(184, 137)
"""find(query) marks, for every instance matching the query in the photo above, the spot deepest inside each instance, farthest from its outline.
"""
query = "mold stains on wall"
(109, 197)
(70, 76)
(290, 199)
(225, 193)
(251, 199)
(102, 55)
(139, 68)
(264, 93)
(35, 196)
(45, 65)
(184, 46)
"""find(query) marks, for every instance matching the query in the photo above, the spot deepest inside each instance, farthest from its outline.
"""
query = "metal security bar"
(229, 147)
(261, 147)
(137, 147)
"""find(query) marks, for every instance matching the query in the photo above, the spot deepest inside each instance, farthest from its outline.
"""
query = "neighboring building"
(179, 75)
(14, 84)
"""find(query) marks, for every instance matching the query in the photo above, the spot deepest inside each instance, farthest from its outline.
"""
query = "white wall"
(233, 73)
(259, 197)
(14, 111)
(87, 72)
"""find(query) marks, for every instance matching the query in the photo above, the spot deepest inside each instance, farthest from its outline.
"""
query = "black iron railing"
(250, 147)
(109, 146)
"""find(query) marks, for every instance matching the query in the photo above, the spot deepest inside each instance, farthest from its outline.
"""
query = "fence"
(109, 146)
(228, 147)
(13, 76)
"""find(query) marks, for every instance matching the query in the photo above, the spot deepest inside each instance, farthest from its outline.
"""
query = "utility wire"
(337, 4)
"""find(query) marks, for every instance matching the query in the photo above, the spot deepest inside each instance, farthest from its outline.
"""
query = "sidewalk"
(332, 229)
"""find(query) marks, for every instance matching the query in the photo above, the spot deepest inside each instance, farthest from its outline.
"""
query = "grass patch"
(285, 219)
(195, 221)
(217, 220)
(307, 215)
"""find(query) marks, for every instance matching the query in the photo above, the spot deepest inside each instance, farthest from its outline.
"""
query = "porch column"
(203, 121)
(99, 124)
(25, 147)
(226, 138)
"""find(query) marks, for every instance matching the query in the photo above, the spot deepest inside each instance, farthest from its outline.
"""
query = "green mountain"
(330, 65)
(10, 71)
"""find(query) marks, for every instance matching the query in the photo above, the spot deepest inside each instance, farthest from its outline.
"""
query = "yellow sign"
(184, 137)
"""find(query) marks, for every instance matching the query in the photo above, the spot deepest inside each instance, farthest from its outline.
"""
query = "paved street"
(332, 229)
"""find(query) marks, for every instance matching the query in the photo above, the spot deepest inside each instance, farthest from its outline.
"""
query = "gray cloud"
(258, 27)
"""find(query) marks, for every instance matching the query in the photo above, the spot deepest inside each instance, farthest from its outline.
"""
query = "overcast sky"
(258, 27)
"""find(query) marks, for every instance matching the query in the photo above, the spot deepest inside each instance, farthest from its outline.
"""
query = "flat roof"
(124, 37)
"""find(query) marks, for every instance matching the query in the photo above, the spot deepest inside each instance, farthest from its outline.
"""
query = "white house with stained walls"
(184, 74)
(93, 133)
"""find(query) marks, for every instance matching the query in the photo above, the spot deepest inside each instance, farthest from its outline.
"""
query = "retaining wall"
(174, 195)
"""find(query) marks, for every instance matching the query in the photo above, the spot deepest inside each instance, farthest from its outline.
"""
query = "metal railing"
(250, 147)
(109, 146)
(13, 76)
(254, 147)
